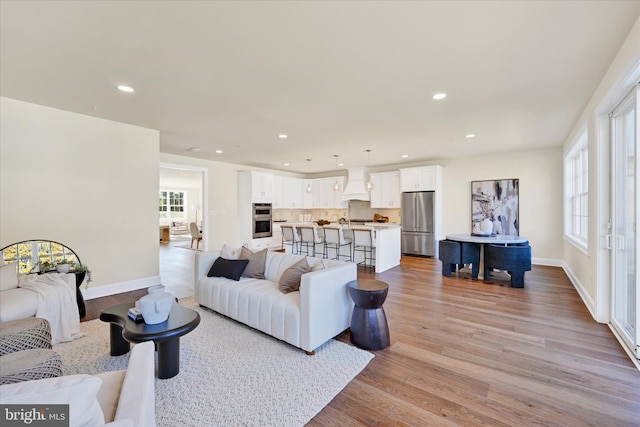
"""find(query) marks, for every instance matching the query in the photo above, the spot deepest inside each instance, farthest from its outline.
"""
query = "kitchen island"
(388, 240)
(388, 250)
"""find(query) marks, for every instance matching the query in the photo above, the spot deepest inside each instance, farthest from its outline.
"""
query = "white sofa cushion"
(8, 277)
(257, 303)
(17, 304)
(78, 391)
(109, 393)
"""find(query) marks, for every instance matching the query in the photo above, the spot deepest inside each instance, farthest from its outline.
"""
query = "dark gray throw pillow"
(257, 263)
(229, 268)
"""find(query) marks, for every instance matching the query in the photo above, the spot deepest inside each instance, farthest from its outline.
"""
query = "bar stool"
(364, 241)
(309, 239)
(290, 237)
(334, 239)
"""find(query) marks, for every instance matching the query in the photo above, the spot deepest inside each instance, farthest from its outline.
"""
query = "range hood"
(356, 185)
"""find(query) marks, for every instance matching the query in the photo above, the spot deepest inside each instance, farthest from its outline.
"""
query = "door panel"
(625, 296)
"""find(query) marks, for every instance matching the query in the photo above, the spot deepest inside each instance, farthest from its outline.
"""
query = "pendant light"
(336, 186)
(369, 183)
(309, 189)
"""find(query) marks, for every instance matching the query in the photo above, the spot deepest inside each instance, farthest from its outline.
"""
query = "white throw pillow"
(8, 277)
(78, 391)
(230, 253)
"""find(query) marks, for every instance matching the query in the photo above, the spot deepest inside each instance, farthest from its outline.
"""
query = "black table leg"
(168, 358)
(80, 301)
(119, 345)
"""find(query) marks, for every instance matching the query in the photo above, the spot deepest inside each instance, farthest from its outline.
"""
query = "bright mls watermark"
(34, 415)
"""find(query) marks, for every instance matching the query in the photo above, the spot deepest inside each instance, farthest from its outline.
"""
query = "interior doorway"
(185, 189)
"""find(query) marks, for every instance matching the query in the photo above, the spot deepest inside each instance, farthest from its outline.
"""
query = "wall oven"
(262, 220)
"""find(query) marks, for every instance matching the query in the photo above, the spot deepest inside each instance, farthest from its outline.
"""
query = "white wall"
(590, 272)
(540, 179)
(88, 183)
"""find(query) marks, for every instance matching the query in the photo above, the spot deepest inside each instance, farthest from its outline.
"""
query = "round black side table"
(369, 328)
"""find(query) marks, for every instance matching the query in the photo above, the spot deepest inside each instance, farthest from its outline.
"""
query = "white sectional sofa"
(307, 318)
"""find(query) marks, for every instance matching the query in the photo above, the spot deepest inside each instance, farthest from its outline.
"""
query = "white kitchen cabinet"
(386, 190)
(292, 192)
(278, 192)
(262, 243)
(261, 187)
(322, 188)
(323, 194)
(337, 195)
(307, 198)
(423, 178)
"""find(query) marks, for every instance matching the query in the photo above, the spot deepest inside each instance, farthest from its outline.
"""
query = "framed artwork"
(495, 207)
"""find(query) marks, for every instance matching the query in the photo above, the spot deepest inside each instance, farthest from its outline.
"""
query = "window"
(28, 254)
(172, 205)
(576, 184)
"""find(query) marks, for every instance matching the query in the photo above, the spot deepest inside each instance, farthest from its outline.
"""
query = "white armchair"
(118, 398)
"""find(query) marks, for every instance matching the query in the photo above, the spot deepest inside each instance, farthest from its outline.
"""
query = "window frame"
(168, 199)
(576, 192)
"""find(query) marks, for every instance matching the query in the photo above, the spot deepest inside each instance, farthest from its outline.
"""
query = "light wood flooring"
(466, 353)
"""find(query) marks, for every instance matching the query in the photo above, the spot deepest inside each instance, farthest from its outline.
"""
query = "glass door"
(625, 294)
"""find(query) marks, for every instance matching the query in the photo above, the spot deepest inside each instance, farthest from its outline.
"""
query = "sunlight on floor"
(176, 266)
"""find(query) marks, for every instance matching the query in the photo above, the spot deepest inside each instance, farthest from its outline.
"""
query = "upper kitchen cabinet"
(386, 190)
(307, 196)
(292, 192)
(261, 187)
(425, 178)
(323, 194)
(278, 192)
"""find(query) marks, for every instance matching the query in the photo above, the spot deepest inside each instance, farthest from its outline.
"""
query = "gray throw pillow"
(290, 279)
(257, 263)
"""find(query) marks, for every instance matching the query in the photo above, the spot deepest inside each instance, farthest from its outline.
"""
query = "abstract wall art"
(495, 201)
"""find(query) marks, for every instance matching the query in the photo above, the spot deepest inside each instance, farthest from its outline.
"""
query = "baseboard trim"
(584, 295)
(547, 261)
(118, 288)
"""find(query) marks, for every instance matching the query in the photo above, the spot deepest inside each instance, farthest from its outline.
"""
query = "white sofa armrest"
(325, 304)
(204, 261)
(137, 400)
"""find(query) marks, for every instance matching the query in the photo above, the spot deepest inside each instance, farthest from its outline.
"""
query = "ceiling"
(336, 77)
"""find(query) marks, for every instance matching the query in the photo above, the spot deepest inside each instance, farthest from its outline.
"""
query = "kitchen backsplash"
(358, 209)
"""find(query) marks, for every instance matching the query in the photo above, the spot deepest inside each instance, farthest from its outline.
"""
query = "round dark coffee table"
(369, 328)
(165, 335)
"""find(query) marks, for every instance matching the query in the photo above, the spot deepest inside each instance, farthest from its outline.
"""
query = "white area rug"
(230, 374)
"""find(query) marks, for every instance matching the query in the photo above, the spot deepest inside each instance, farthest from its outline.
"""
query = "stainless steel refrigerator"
(417, 224)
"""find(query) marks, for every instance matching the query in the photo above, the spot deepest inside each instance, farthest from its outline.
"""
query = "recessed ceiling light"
(340, 164)
(470, 135)
(195, 149)
(404, 156)
(440, 96)
(286, 164)
(283, 136)
(124, 88)
(219, 151)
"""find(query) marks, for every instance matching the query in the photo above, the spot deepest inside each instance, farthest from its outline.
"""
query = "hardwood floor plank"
(468, 353)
